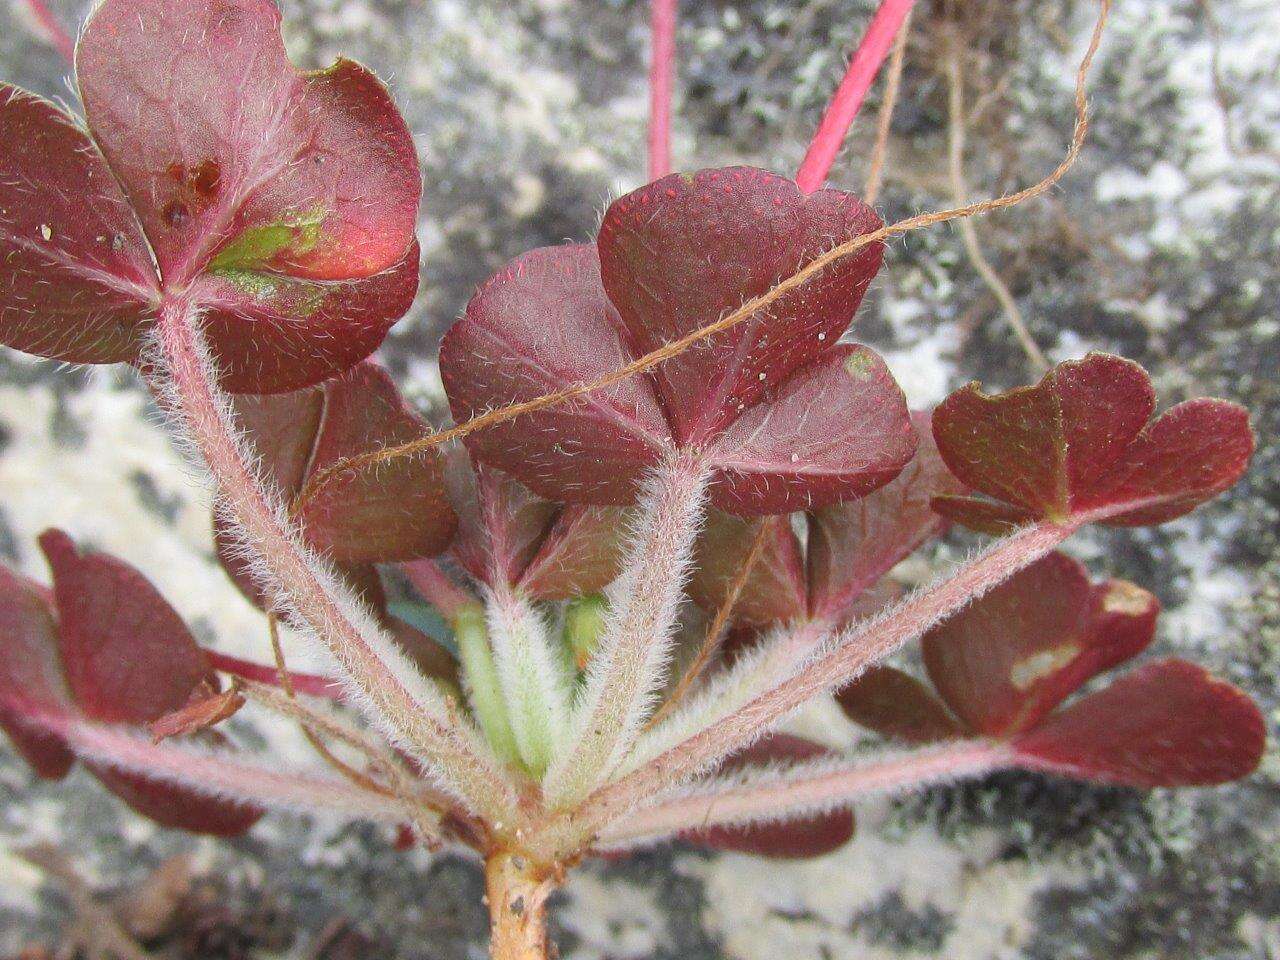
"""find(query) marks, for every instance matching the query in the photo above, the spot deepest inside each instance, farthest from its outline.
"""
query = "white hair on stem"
(783, 652)
(779, 793)
(629, 664)
(532, 674)
(836, 662)
(412, 710)
(221, 774)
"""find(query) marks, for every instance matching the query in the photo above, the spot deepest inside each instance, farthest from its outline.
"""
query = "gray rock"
(1161, 244)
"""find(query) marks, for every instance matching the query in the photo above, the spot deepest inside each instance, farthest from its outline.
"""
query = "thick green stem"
(480, 677)
(532, 674)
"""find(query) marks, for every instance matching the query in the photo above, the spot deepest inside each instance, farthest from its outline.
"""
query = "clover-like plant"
(669, 412)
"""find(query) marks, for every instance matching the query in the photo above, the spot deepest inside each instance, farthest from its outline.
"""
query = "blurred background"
(1161, 244)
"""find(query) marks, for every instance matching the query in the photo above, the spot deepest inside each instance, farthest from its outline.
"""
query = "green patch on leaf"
(859, 365)
(298, 299)
(296, 235)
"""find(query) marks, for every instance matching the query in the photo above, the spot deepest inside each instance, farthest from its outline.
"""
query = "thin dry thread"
(422, 809)
(959, 189)
(884, 122)
(747, 310)
(1222, 94)
(715, 632)
(356, 777)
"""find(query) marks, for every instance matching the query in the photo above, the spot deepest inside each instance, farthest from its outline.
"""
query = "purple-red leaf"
(774, 591)
(508, 533)
(1005, 661)
(837, 429)
(78, 273)
(1166, 724)
(683, 251)
(129, 658)
(1193, 452)
(1079, 443)
(581, 554)
(790, 840)
(282, 430)
(235, 141)
(31, 675)
(385, 512)
(787, 418)
(274, 333)
(177, 807)
(501, 522)
(127, 654)
(280, 204)
(852, 545)
(897, 705)
(539, 325)
(379, 513)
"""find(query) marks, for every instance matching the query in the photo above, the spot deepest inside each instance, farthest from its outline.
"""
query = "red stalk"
(844, 105)
(436, 587)
(859, 646)
(53, 30)
(661, 73)
(816, 786)
(308, 684)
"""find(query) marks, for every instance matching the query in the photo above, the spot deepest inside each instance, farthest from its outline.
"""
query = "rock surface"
(1161, 244)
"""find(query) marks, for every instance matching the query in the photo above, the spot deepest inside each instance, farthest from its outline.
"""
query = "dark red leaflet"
(581, 554)
(384, 512)
(897, 705)
(127, 654)
(501, 522)
(214, 133)
(1192, 453)
(127, 658)
(278, 204)
(1080, 444)
(853, 544)
(838, 429)
(541, 324)
(79, 284)
(789, 419)
(31, 677)
(178, 807)
(1166, 724)
(683, 251)
(1008, 659)
(288, 334)
(775, 589)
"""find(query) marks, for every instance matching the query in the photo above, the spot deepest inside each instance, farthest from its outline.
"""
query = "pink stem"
(53, 29)
(844, 106)
(218, 774)
(858, 647)
(436, 587)
(629, 663)
(379, 674)
(813, 787)
(661, 74)
(308, 684)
